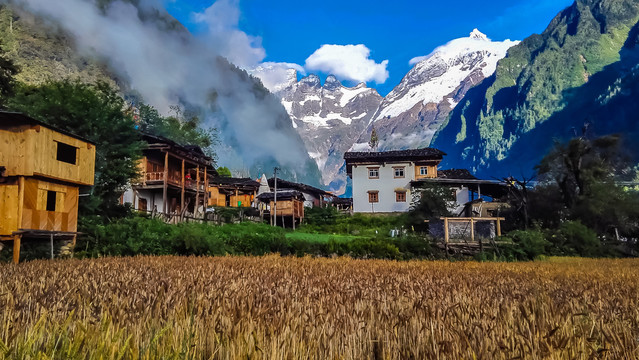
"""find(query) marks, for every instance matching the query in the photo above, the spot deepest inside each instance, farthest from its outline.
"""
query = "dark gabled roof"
(283, 184)
(456, 174)
(411, 154)
(231, 181)
(342, 201)
(191, 152)
(14, 118)
(281, 195)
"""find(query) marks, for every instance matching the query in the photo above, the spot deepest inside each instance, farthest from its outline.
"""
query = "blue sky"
(291, 31)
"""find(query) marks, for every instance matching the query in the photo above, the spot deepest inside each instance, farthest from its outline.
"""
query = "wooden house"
(232, 192)
(288, 210)
(173, 180)
(44, 168)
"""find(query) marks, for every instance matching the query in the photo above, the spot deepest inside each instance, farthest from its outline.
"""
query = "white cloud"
(277, 75)
(348, 62)
(225, 38)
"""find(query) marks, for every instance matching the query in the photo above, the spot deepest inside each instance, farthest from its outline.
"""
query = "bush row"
(144, 236)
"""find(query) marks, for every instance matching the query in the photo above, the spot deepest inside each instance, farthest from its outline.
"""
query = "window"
(399, 172)
(373, 173)
(67, 153)
(51, 200)
(400, 196)
(423, 170)
(373, 196)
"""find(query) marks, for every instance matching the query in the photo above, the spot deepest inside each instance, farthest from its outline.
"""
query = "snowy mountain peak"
(332, 83)
(311, 80)
(476, 34)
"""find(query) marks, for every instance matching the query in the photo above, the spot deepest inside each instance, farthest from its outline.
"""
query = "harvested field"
(298, 308)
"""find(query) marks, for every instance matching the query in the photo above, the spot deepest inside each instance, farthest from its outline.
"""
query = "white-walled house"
(386, 182)
(382, 180)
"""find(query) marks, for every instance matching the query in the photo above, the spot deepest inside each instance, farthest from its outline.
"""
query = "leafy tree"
(183, 127)
(8, 70)
(432, 203)
(94, 112)
(223, 171)
(374, 142)
(583, 173)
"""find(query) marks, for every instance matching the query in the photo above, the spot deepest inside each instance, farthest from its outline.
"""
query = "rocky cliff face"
(329, 118)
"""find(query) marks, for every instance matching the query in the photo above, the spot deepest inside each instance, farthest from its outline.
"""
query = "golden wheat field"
(301, 308)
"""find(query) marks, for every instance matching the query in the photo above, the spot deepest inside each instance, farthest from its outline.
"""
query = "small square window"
(373, 197)
(67, 153)
(400, 196)
(423, 170)
(51, 199)
(373, 173)
(399, 172)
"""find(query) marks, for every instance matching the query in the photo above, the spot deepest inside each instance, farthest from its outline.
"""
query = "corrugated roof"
(284, 184)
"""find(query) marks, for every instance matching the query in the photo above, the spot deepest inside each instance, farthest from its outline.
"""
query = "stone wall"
(460, 231)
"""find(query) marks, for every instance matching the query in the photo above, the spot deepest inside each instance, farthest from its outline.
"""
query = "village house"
(382, 180)
(173, 182)
(387, 182)
(42, 170)
(232, 192)
(313, 197)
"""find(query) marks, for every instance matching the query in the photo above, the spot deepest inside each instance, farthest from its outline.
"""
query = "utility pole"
(275, 196)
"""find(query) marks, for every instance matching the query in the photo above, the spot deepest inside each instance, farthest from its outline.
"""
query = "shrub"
(526, 244)
(574, 238)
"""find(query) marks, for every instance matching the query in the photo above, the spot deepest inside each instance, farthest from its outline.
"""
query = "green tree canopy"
(95, 112)
(224, 171)
(183, 127)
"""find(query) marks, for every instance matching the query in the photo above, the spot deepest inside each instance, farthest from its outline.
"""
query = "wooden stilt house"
(173, 181)
(44, 168)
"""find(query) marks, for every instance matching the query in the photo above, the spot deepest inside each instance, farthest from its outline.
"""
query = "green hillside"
(539, 78)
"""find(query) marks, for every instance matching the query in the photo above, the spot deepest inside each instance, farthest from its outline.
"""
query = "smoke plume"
(169, 66)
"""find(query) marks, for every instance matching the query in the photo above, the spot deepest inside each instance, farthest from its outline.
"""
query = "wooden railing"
(174, 179)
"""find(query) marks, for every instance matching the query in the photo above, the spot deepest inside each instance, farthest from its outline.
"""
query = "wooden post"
(51, 245)
(446, 239)
(498, 227)
(182, 194)
(165, 188)
(16, 248)
(197, 190)
(472, 229)
(20, 201)
(206, 191)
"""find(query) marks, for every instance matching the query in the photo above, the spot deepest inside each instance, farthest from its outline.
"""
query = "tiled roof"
(222, 180)
(283, 184)
(456, 174)
(281, 195)
(411, 154)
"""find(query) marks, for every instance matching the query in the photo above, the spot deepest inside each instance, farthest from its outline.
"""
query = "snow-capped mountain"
(329, 118)
(332, 118)
(410, 115)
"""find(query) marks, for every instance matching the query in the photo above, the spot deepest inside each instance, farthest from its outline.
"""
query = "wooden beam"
(16, 248)
(498, 226)
(197, 190)
(165, 187)
(472, 230)
(51, 241)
